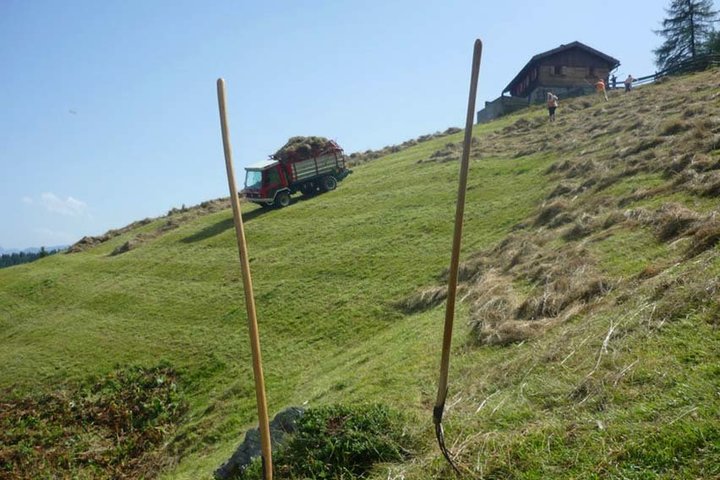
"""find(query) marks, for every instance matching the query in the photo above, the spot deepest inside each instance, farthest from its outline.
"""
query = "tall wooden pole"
(455, 258)
(247, 285)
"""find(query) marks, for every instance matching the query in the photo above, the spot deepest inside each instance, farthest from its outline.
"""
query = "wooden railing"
(697, 64)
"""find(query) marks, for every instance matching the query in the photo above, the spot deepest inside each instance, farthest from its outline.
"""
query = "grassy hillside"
(587, 342)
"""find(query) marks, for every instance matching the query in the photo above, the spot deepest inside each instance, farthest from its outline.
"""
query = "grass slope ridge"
(588, 282)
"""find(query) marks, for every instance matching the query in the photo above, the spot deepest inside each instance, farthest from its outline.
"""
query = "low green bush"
(340, 441)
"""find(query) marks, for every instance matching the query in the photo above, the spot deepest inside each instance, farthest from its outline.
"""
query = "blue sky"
(109, 109)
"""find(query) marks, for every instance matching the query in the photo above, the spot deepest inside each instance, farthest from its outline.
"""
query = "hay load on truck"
(309, 165)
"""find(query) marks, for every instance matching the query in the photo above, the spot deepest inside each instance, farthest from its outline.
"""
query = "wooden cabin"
(567, 70)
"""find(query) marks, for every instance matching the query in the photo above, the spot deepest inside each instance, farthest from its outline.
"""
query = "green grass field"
(621, 385)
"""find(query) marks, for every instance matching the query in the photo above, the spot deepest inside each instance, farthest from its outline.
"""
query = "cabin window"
(592, 71)
(557, 70)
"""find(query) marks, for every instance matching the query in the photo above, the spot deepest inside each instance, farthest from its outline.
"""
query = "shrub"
(112, 428)
(340, 441)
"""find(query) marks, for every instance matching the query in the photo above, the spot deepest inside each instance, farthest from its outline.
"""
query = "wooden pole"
(455, 257)
(263, 423)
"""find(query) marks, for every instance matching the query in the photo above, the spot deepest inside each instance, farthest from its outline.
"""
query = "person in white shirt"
(552, 104)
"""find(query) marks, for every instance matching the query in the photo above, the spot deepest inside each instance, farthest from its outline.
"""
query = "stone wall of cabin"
(499, 107)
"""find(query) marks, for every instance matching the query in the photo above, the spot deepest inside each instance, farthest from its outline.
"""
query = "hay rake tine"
(439, 407)
(263, 423)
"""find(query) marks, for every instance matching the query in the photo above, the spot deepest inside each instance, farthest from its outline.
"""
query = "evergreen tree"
(713, 43)
(686, 31)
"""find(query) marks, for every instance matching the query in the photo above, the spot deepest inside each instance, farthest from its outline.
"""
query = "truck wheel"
(329, 183)
(308, 189)
(282, 199)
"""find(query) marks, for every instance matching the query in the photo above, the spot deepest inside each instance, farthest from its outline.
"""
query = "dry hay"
(678, 165)
(641, 146)
(507, 333)
(515, 251)
(520, 125)
(467, 270)
(558, 167)
(705, 237)
(583, 226)
(561, 279)
(673, 127)
(88, 242)
(668, 222)
(563, 283)
(358, 158)
(613, 218)
(704, 163)
(141, 238)
(673, 220)
(176, 217)
(582, 169)
(421, 300)
(450, 152)
(549, 211)
(705, 184)
(683, 295)
(562, 189)
(126, 247)
(521, 288)
(301, 147)
(492, 311)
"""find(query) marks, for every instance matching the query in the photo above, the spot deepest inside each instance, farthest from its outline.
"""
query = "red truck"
(309, 171)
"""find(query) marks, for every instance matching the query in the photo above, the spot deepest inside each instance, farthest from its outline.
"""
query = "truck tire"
(308, 189)
(328, 183)
(282, 199)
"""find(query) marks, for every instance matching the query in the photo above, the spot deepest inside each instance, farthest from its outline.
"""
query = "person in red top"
(600, 87)
(552, 104)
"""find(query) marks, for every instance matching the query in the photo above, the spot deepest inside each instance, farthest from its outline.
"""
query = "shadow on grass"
(222, 225)
(228, 223)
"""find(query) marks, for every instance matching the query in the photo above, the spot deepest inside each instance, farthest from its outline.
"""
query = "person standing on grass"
(628, 82)
(552, 104)
(600, 87)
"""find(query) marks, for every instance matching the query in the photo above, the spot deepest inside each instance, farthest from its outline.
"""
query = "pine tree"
(713, 43)
(686, 30)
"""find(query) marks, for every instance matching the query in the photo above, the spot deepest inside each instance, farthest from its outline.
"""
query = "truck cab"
(264, 182)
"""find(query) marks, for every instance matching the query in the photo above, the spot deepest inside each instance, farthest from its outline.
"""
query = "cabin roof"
(262, 165)
(613, 62)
